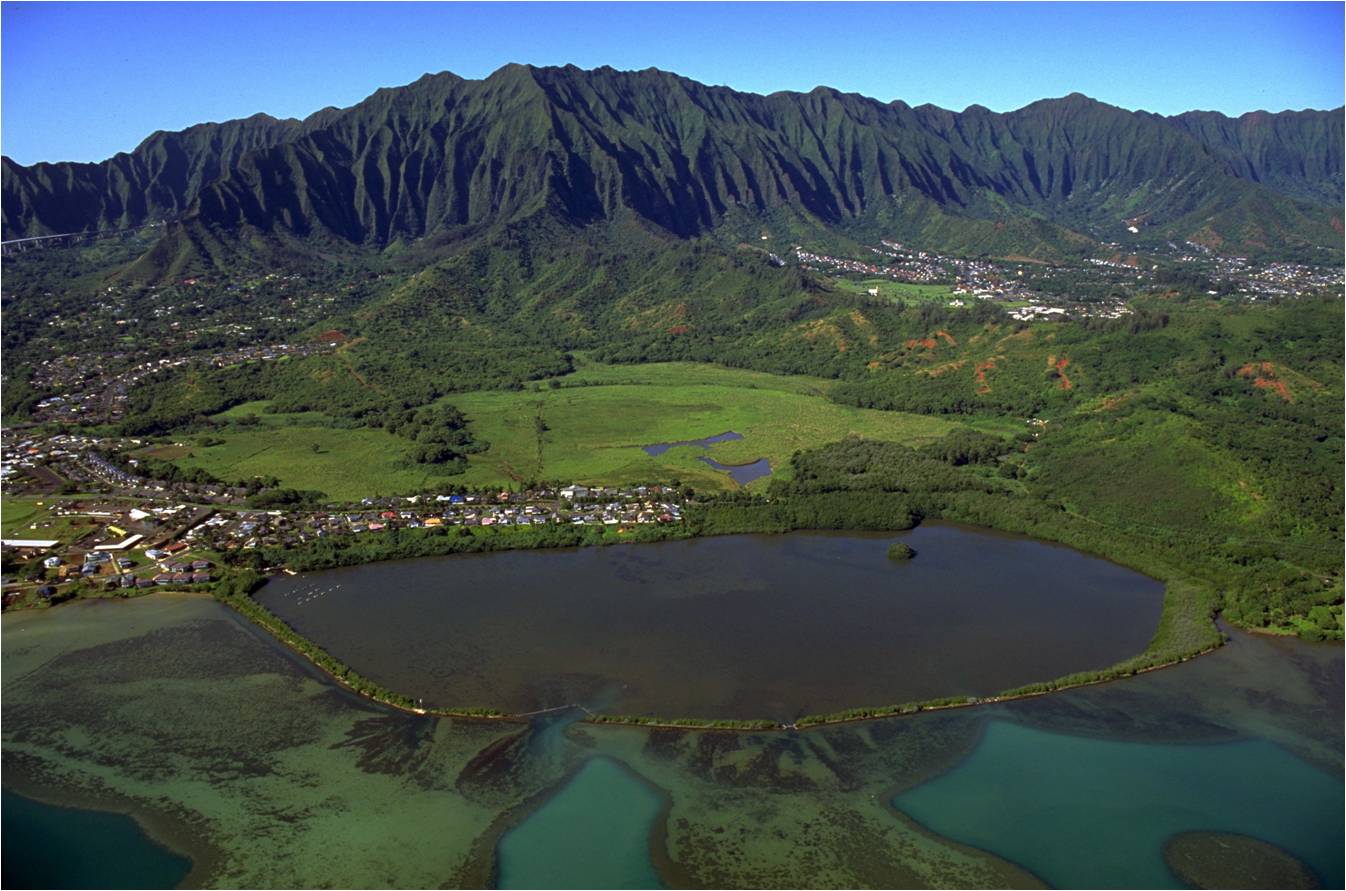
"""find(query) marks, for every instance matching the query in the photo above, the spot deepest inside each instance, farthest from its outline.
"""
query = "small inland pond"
(742, 473)
(742, 627)
(739, 473)
(654, 450)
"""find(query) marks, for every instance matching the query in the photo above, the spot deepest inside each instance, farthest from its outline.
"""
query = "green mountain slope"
(1296, 153)
(445, 157)
(158, 180)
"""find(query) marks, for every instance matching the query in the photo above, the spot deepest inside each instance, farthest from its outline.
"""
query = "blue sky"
(81, 81)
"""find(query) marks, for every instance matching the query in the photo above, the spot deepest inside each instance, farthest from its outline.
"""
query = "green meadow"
(18, 514)
(588, 426)
(896, 290)
(304, 452)
(591, 427)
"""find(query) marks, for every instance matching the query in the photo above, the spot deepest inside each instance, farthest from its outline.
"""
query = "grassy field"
(257, 409)
(691, 374)
(895, 290)
(596, 422)
(19, 514)
(345, 464)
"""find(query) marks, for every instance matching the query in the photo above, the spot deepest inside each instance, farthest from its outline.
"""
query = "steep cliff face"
(1296, 153)
(444, 154)
(160, 179)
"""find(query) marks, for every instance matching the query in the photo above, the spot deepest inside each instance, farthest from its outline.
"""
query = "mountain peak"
(446, 154)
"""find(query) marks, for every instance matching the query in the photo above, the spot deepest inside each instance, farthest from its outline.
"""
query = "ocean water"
(594, 833)
(1083, 812)
(59, 847)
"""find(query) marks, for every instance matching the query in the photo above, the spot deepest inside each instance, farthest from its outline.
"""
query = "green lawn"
(690, 374)
(18, 514)
(258, 409)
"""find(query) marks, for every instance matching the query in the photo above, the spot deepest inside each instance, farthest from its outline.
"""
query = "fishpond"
(743, 627)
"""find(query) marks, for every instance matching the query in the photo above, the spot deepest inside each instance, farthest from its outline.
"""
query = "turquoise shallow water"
(593, 834)
(58, 847)
(1092, 813)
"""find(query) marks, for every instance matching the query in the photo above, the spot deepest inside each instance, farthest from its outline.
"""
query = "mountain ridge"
(446, 154)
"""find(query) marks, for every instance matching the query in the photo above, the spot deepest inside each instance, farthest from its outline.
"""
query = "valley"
(385, 490)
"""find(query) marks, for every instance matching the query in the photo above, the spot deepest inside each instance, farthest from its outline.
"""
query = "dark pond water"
(743, 473)
(740, 626)
(60, 847)
(658, 448)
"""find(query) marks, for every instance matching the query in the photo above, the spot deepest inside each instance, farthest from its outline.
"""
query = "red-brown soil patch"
(1112, 403)
(1263, 375)
(931, 342)
(944, 369)
(979, 372)
(823, 328)
(1263, 383)
(1059, 367)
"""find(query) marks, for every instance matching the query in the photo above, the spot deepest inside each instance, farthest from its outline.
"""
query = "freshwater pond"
(742, 473)
(739, 473)
(747, 626)
(654, 450)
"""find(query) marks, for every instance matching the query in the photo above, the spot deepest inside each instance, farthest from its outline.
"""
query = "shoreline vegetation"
(1186, 627)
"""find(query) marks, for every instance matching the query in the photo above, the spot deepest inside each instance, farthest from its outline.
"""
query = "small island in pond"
(900, 550)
